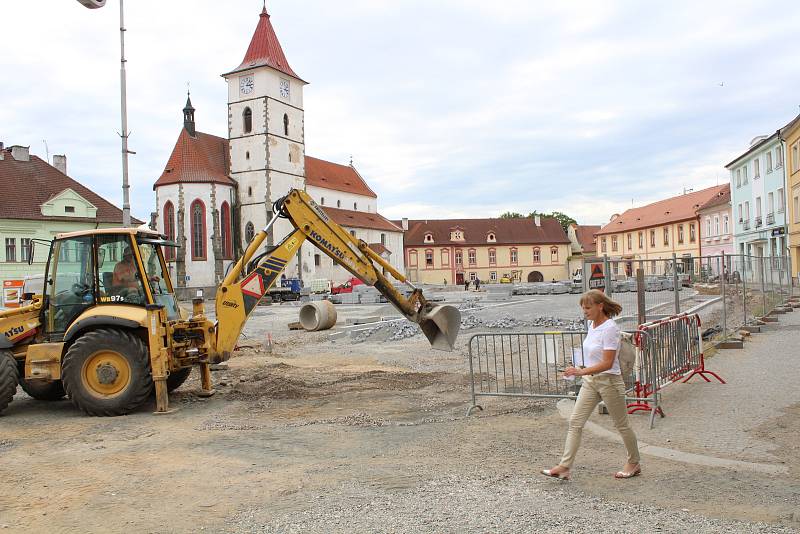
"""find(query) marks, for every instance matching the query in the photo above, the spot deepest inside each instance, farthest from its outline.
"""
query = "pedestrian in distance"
(466, 285)
(602, 380)
(477, 284)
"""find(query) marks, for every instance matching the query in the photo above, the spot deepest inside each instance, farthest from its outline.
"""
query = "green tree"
(563, 219)
(512, 215)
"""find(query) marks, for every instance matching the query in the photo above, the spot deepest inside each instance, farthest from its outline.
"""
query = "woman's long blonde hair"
(594, 296)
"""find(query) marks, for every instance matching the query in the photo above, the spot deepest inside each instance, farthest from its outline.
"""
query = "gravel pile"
(490, 503)
(510, 322)
(358, 419)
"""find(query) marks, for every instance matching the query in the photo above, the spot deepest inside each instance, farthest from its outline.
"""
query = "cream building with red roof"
(655, 232)
(215, 193)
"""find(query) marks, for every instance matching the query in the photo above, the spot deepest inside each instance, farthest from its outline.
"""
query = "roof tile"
(265, 50)
(523, 231)
(360, 219)
(199, 159)
(321, 173)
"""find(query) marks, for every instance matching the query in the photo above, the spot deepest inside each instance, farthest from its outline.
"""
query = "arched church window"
(169, 230)
(198, 230)
(225, 230)
(285, 124)
(249, 232)
(247, 119)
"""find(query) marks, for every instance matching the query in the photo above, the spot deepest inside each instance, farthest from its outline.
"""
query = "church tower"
(265, 132)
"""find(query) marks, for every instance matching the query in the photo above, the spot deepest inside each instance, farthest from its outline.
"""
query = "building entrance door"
(459, 279)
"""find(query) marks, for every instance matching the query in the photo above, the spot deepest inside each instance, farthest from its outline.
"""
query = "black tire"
(177, 378)
(9, 378)
(44, 391)
(106, 372)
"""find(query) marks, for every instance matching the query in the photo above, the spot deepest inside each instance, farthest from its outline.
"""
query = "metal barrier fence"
(729, 291)
(671, 350)
(530, 365)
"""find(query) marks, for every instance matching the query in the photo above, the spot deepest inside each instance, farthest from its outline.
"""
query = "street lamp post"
(126, 205)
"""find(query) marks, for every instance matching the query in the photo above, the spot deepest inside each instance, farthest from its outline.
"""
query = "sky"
(449, 109)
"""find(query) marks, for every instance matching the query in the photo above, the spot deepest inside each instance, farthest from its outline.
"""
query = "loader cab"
(115, 267)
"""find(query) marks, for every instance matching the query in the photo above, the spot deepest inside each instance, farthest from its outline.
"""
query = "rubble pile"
(509, 322)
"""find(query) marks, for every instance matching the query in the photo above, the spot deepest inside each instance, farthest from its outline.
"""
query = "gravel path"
(480, 504)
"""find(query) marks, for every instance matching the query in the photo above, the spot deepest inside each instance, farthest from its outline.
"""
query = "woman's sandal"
(563, 475)
(628, 474)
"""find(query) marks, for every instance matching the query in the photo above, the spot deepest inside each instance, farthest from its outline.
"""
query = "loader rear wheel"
(9, 378)
(44, 391)
(106, 372)
(177, 378)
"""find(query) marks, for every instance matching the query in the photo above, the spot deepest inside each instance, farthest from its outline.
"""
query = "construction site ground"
(364, 434)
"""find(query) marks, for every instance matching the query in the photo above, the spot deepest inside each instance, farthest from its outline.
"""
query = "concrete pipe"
(318, 315)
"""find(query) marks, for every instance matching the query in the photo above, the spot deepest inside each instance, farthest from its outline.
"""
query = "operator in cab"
(125, 272)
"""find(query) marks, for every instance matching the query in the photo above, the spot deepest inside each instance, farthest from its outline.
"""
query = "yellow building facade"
(791, 137)
(456, 251)
(655, 232)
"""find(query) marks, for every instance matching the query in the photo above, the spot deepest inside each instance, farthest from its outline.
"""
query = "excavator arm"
(240, 291)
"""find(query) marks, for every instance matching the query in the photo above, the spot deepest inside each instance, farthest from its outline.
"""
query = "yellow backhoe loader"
(107, 330)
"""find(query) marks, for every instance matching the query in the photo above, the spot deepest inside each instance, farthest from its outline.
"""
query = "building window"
(249, 191)
(692, 233)
(412, 258)
(756, 168)
(11, 249)
(225, 230)
(491, 238)
(747, 209)
(716, 225)
(286, 125)
(428, 238)
(459, 257)
(473, 277)
(355, 206)
(317, 260)
(653, 267)
(247, 155)
(428, 259)
(781, 204)
(738, 177)
(666, 236)
(249, 232)
(513, 256)
(613, 243)
(198, 230)
(630, 241)
(553, 254)
(445, 258)
(472, 256)
(537, 255)
(247, 120)
(383, 239)
(338, 203)
(744, 175)
(708, 226)
(69, 209)
(24, 249)
(603, 244)
(770, 203)
(725, 223)
(769, 161)
(795, 163)
(778, 158)
(169, 229)
(680, 234)
(641, 240)
(353, 233)
(456, 235)
(492, 256)
(493, 276)
(652, 238)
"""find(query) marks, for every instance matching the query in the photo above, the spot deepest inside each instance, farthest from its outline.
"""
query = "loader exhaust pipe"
(441, 325)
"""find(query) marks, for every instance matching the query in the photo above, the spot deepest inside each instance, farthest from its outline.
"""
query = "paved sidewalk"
(719, 419)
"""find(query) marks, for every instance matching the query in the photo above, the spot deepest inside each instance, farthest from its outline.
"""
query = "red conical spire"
(265, 49)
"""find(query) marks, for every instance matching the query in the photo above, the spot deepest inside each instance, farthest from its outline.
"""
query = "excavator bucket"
(441, 324)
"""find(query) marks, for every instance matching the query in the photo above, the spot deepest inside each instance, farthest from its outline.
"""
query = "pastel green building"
(38, 201)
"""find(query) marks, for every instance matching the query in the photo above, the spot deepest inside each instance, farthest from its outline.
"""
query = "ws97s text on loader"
(108, 332)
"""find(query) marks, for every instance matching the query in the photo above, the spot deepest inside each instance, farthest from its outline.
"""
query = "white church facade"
(215, 193)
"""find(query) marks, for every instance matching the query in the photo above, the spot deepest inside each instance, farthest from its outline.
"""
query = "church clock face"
(284, 88)
(246, 85)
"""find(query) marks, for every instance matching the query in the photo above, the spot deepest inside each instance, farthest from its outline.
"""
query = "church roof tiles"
(360, 219)
(198, 159)
(321, 173)
(265, 50)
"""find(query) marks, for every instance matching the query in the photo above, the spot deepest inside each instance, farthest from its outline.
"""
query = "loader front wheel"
(9, 378)
(106, 372)
(44, 391)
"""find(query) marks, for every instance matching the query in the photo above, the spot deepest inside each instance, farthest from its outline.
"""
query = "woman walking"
(602, 380)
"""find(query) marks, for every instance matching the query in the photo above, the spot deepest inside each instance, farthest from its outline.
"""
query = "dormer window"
(490, 238)
(428, 238)
(456, 235)
(69, 209)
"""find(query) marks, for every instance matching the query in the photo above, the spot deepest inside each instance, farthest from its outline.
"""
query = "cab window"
(71, 282)
(118, 272)
(157, 278)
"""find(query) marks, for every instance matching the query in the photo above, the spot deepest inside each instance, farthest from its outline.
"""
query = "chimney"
(60, 163)
(21, 153)
(405, 224)
(537, 220)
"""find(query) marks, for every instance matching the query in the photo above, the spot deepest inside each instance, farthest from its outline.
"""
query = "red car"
(347, 287)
